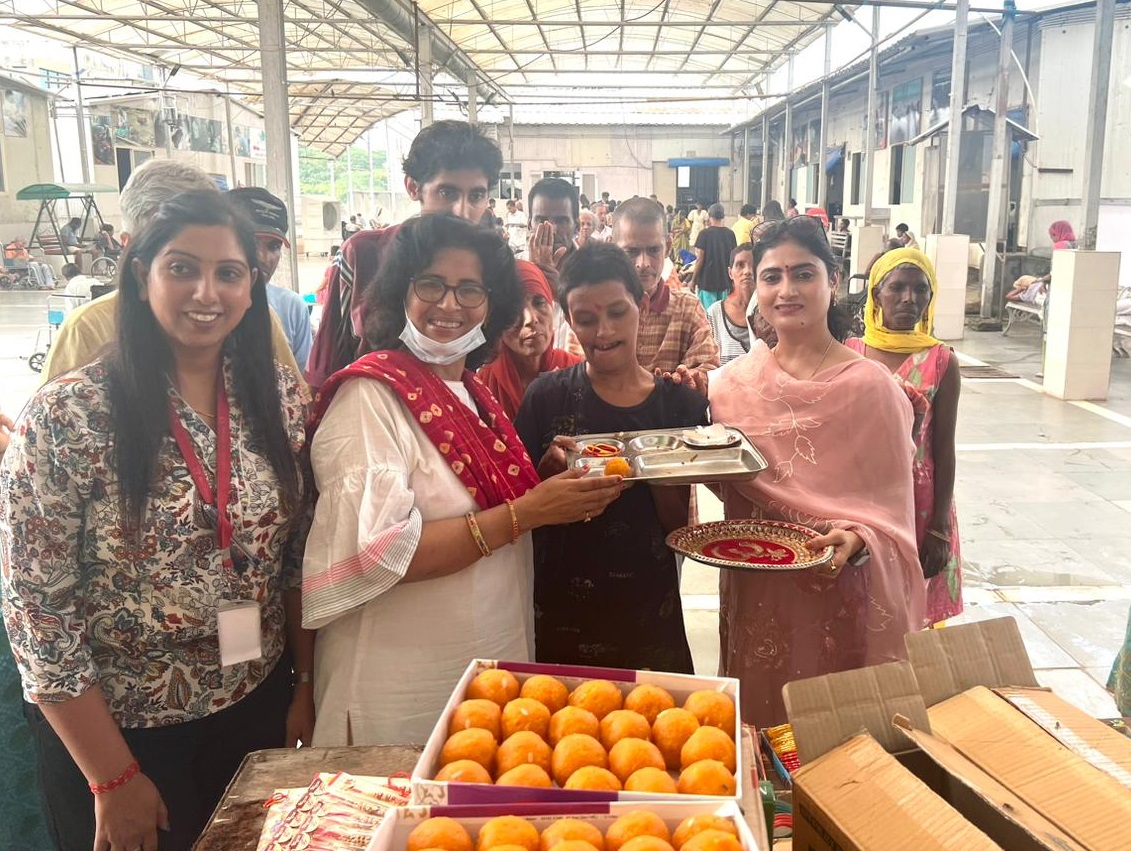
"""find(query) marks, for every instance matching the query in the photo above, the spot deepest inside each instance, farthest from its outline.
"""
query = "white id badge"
(240, 636)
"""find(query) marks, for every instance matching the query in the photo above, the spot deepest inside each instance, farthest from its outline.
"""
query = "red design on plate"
(751, 551)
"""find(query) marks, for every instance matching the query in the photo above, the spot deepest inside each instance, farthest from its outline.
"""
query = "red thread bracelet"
(132, 771)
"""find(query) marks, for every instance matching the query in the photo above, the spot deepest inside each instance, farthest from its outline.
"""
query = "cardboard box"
(967, 720)
(427, 791)
(393, 832)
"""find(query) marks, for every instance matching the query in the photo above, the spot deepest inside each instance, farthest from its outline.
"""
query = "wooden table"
(238, 820)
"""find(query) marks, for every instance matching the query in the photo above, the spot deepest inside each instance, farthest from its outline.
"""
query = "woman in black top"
(606, 591)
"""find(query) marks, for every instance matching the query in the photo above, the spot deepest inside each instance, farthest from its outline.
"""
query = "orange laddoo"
(630, 755)
(646, 843)
(567, 829)
(523, 748)
(508, 848)
(623, 724)
(594, 779)
(618, 467)
(697, 824)
(706, 777)
(635, 824)
(494, 685)
(507, 830)
(484, 714)
(575, 845)
(463, 771)
(475, 744)
(571, 720)
(576, 751)
(598, 696)
(525, 775)
(713, 709)
(525, 713)
(708, 743)
(649, 701)
(651, 780)
(671, 730)
(713, 840)
(549, 691)
(439, 832)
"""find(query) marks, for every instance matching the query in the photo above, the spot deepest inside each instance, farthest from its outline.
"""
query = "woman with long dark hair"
(146, 506)
(836, 430)
(419, 558)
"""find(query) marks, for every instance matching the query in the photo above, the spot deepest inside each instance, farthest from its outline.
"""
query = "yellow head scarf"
(875, 334)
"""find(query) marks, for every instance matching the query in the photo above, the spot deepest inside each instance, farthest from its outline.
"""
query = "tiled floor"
(1043, 496)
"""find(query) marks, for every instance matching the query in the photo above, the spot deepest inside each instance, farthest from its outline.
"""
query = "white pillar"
(787, 137)
(424, 74)
(766, 194)
(742, 199)
(870, 123)
(1096, 125)
(80, 119)
(957, 102)
(950, 255)
(277, 119)
(999, 172)
(867, 242)
(231, 139)
(1081, 322)
(472, 100)
(822, 178)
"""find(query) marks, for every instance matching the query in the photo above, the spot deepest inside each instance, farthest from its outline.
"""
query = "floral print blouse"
(85, 604)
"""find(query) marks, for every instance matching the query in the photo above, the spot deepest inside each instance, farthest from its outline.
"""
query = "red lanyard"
(220, 499)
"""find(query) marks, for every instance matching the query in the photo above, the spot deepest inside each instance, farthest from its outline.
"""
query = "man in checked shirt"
(675, 338)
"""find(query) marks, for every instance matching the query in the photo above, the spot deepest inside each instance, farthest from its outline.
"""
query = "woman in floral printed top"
(143, 591)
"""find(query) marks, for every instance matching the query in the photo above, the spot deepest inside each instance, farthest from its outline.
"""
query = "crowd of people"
(201, 559)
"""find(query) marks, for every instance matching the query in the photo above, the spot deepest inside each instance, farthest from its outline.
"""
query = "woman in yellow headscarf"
(898, 320)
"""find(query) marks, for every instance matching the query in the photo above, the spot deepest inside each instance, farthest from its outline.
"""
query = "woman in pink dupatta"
(837, 432)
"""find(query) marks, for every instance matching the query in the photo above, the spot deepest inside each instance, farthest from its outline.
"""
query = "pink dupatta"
(840, 454)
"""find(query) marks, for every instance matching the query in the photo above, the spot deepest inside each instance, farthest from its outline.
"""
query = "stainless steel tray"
(681, 465)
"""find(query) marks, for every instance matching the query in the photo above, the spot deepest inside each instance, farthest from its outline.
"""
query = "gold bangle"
(516, 532)
(940, 535)
(480, 541)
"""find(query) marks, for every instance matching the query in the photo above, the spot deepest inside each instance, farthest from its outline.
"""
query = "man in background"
(555, 211)
(269, 215)
(747, 221)
(69, 233)
(449, 169)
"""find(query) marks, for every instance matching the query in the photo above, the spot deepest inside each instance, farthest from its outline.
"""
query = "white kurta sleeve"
(366, 527)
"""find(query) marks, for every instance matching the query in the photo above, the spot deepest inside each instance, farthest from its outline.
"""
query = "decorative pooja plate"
(749, 545)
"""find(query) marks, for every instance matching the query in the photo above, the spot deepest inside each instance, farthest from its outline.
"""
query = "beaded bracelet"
(480, 541)
(516, 532)
(122, 779)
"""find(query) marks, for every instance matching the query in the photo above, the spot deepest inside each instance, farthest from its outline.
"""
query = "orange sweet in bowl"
(523, 748)
(630, 755)
(484, 714)
(574, 752)
(671, 730)
(651, 779)
(573, 719)
(623, 724)
(697, 824)
(475, 744)
(646, 843)
(712, 709)
(525, 713)
(618, 467)
(708, 743)
(527, 774)
(713, 840)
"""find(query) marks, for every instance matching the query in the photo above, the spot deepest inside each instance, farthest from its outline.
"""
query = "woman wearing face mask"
(836, 430)
(419, 556)
(527, 350)
(898, 318)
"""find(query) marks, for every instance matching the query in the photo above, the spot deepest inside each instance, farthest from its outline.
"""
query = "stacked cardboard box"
(959, 748)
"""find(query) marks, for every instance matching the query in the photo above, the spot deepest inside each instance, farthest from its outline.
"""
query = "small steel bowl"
(584, 450)
(654, 443)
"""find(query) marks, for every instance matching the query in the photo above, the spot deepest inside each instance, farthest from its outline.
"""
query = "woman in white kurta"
(419, 556)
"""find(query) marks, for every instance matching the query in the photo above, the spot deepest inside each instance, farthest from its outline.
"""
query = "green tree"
(314, 172)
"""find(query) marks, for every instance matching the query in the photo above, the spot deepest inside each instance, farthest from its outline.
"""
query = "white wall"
(26, 160)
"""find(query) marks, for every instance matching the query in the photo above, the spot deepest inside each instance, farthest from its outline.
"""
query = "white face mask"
(427, 350)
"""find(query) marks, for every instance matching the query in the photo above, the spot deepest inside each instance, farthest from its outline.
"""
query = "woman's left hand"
(300, 716)
(845, 545)
(934, 556)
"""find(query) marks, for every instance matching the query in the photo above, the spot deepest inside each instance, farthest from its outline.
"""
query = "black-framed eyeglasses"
(433, 290)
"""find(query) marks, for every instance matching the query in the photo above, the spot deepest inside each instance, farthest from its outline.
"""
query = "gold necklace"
(823, 357)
